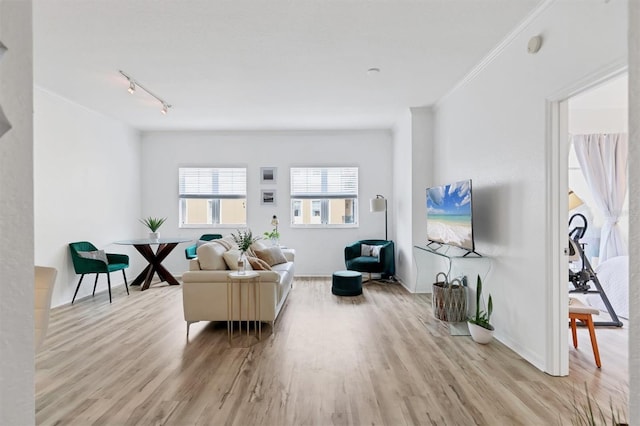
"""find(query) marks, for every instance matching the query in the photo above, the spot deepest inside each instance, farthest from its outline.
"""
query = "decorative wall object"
(268, 197)
(268, 174)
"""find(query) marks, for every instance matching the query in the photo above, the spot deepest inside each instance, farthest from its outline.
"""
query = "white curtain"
(603, 159)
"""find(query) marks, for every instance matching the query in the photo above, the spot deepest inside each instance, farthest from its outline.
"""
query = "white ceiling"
(257, 64)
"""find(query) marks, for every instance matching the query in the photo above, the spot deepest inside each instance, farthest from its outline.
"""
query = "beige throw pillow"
(272, 255)
(211, 258)
(231, 259)
(226, 242)
(258, 264)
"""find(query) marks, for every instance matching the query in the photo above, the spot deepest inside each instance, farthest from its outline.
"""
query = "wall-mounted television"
(450, 215)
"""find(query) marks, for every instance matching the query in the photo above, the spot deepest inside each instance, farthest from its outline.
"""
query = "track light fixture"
(133, 85)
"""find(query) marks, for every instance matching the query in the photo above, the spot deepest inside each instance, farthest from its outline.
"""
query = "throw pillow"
(272, 255)
(231, 259)
(95, 255)
(226, 242)
(371, 251)
(258, 264)
(211, 257)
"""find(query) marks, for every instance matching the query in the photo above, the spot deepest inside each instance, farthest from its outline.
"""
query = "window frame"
(214, 199)
(325, 209)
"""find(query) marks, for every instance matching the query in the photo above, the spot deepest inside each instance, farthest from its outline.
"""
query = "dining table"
(155, 258)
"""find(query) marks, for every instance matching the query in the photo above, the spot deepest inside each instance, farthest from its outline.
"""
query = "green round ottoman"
(346, 283)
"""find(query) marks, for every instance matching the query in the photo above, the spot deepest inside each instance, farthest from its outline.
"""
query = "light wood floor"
(380, 358)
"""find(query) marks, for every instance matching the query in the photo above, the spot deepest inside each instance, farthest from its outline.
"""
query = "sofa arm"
(289, 254)
(352, 251)
(194, 265)
(117, 258)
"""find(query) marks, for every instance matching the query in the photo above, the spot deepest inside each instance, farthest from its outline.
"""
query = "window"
(324, 196)
(212, 196)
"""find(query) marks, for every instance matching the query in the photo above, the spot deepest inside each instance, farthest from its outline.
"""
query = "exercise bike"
(582, 277)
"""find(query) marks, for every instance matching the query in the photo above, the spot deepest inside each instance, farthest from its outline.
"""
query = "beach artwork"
(449, 214)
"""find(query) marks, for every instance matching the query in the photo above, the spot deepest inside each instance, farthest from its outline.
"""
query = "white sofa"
(204, 291)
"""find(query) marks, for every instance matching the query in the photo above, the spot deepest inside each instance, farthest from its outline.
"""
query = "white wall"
(492, 129)
(318, 251)
(86, 187)
(402, 203)
(16, 217)
(598, 120)
(412, 171)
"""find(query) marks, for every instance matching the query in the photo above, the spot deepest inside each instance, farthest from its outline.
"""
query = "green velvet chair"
(383, 264)
(87, 259)
(190, 252)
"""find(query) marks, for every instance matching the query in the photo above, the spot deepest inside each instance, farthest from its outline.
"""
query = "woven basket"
(449, 300)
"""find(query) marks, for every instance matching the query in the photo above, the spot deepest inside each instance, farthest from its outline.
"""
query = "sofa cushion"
(211, 258)
(272, 255)
(258, 264)
(231, 259)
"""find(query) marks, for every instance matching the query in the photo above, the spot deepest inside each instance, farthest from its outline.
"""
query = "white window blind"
(324, 182)
(200, 182)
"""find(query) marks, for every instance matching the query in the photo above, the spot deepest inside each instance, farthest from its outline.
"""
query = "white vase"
(154, 235)
(480, 334)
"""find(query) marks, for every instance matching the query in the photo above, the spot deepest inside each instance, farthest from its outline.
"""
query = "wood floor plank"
(379, 358)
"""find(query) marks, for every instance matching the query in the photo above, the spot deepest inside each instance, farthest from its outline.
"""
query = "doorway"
(557, 354)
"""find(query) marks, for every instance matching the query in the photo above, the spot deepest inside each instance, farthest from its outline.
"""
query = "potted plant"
(273, 235)
(153, 223)
(243, 239)
(479, 325)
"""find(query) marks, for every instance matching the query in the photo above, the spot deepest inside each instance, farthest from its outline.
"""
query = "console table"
(455, 263)
(155, 258)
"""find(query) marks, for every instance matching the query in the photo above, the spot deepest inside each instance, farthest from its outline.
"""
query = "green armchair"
(190, 252)
(87, 259)
(383, 264)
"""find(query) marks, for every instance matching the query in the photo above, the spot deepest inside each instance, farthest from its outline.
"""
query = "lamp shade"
(378, 204)
(574, 200)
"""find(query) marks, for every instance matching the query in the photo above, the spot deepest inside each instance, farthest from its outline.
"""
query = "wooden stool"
(580, 311)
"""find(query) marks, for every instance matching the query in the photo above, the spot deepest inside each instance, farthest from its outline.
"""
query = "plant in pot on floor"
(479, 326)
(153, 223)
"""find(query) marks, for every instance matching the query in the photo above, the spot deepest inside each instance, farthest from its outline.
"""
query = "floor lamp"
(379, 204)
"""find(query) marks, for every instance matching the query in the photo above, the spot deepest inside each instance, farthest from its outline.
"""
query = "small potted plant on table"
(153, 223)
(273, 235)
(479, 326)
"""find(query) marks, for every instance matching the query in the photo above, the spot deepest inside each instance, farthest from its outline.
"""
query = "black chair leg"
(109, 285)
(95, 284)
(125, 282)
(77, 288)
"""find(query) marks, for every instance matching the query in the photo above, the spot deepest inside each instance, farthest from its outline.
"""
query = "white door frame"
(557, 183)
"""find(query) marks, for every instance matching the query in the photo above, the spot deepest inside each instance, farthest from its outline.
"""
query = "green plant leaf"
(153, 223)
